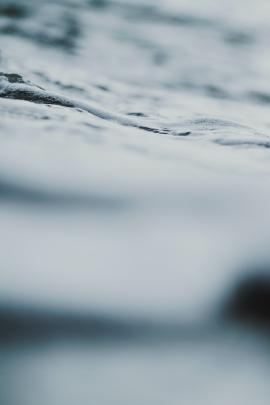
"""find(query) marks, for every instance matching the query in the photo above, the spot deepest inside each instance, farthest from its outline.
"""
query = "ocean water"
(134, 199)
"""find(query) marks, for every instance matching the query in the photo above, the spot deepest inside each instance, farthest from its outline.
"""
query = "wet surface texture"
(134, 200)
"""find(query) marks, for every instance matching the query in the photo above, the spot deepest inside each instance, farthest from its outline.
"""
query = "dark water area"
(134, 202)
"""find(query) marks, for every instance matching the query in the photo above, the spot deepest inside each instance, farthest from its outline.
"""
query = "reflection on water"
(134, 202)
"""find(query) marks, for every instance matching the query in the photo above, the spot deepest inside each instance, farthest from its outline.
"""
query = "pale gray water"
(134, 185)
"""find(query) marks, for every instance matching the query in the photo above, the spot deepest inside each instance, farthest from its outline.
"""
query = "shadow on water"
(246, 311)
(249, 302)
(20, 194)
(13, 10)
(27, 324)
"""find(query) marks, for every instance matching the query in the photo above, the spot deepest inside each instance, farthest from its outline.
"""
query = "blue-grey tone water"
(134, 197)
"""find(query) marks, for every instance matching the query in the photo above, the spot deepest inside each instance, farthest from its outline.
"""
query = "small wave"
(13, 86)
